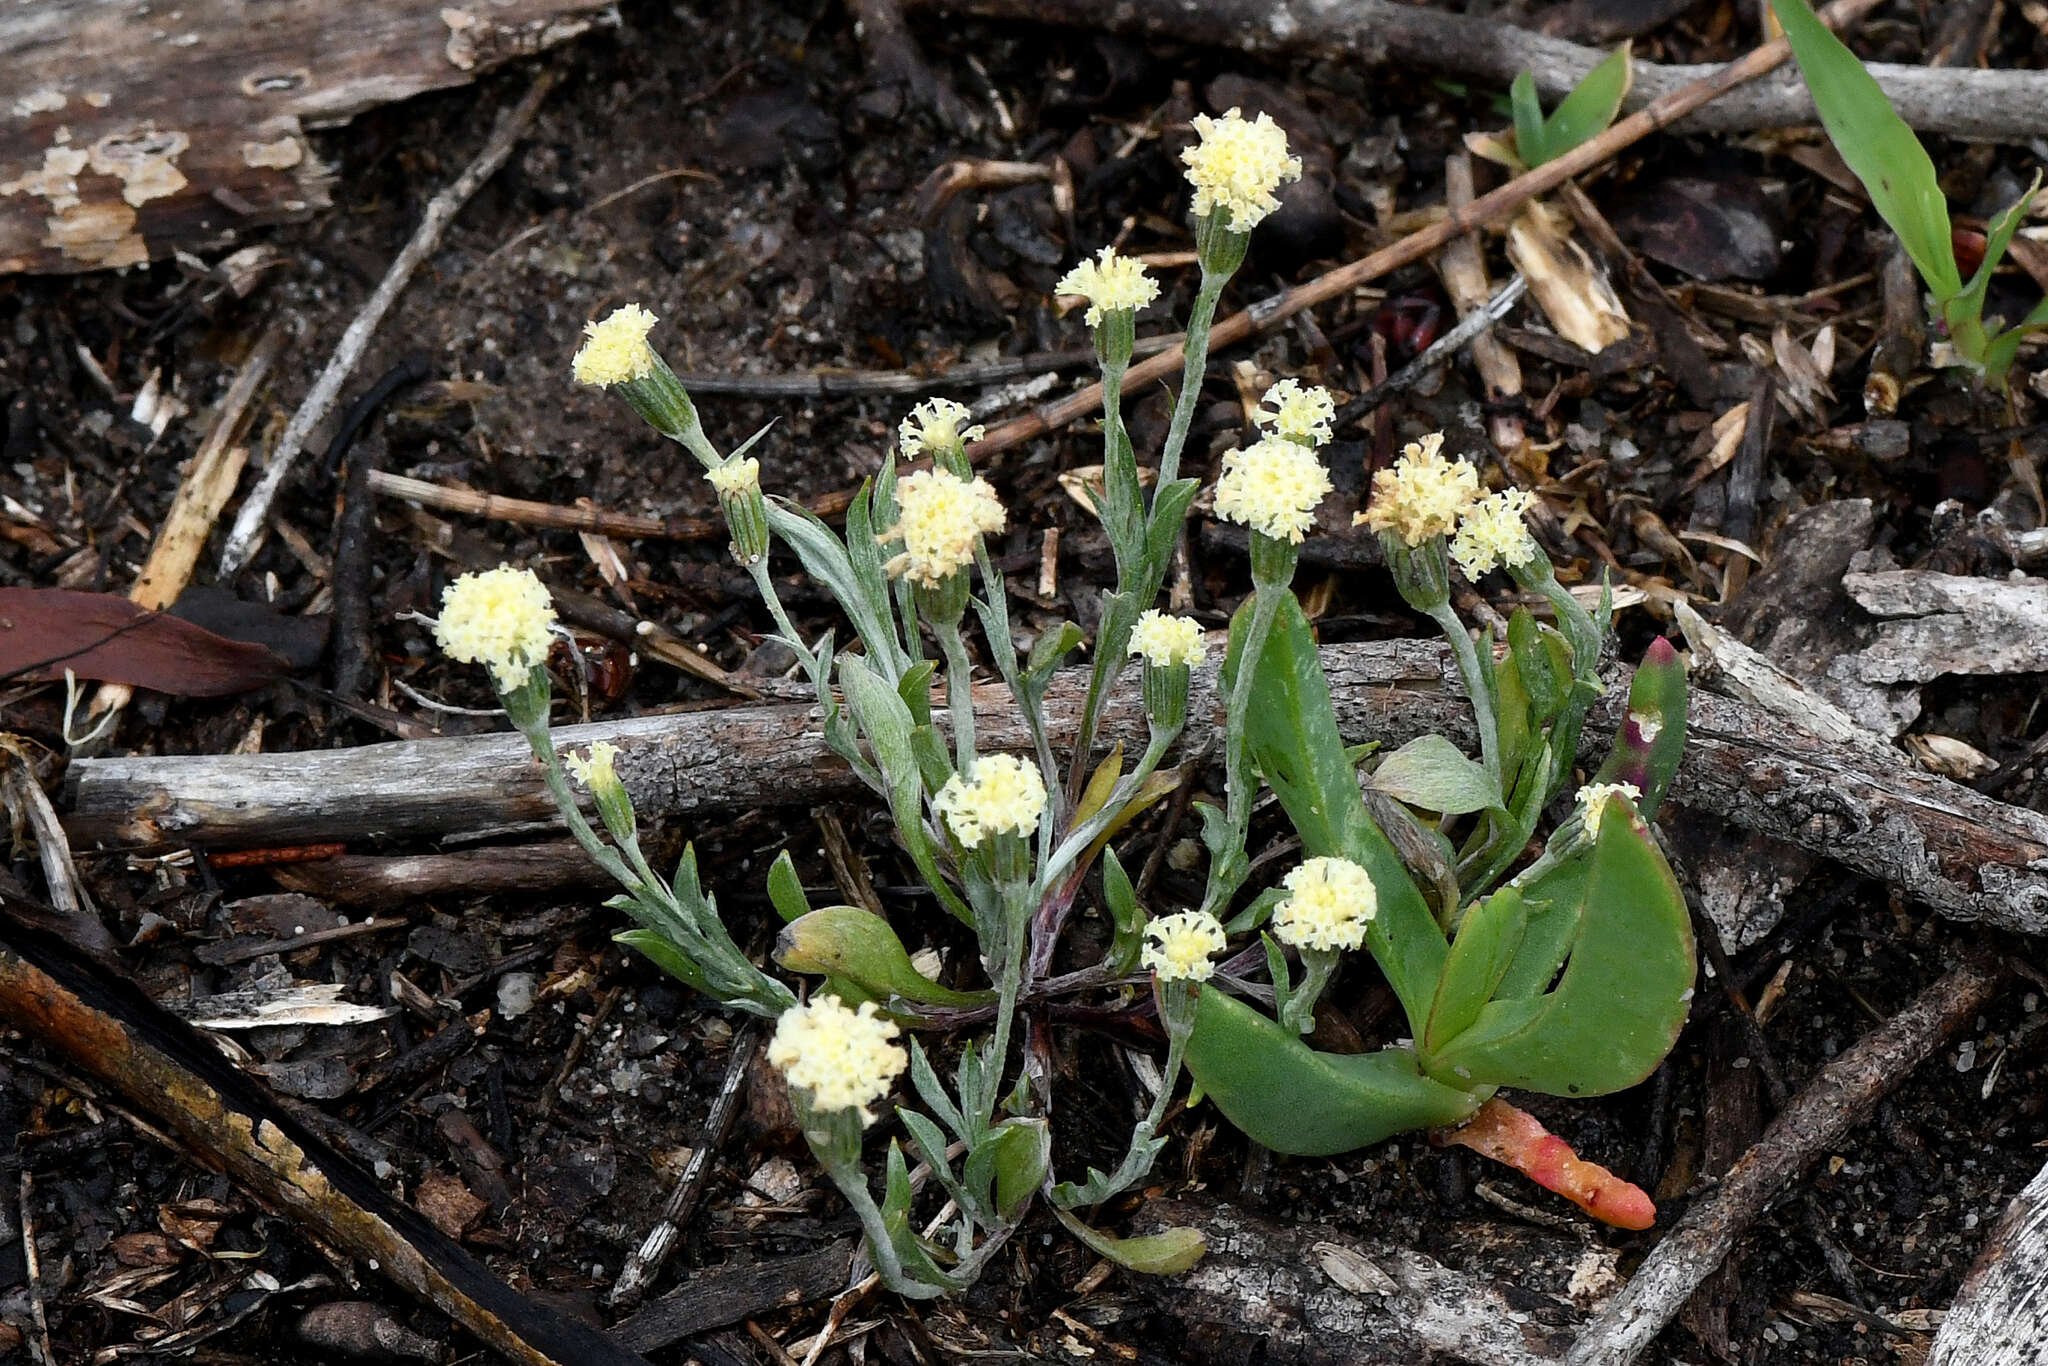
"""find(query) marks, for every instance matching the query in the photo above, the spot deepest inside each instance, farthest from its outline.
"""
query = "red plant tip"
(1661, 652)
(1513, 1137)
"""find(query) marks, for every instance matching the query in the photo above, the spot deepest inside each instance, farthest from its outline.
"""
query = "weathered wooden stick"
(1966, 855)
(2000, 1315)
(1838, 1098)
(1958, 100)
(112, 1031)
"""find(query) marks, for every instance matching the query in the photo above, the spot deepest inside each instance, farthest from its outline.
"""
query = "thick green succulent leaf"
(1623, 997)
(1165, 1253)
(1480, 956)
(1292, 735)
(1877, 144)
(1651, 741)
(856, 945)
(786, 890)
(1293, 1099)
(1430, 772)
(1552, 901)
(1587, 111)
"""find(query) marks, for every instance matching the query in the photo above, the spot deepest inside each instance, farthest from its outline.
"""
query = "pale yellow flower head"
(1236, 165)
(499, 619)
(935, 425)
(595, 771)
(736, 477)
(1166, 640)
(1423, 495)
(1178, 947)
(1493, 533)
(1273, 488)
(939, 516)
(1330, 902)
(1594, 799)
(1298, 412)
(1000, 794)
(1110, 283)
(843, 1059)
(615, 350)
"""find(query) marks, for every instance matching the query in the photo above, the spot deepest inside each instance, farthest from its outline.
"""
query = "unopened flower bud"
(738, 482)
(598, 777)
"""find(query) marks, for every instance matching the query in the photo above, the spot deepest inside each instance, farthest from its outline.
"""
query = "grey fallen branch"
(1964, 102)
(1967, 855)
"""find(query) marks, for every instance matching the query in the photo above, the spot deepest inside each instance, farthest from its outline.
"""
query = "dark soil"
(786, 237)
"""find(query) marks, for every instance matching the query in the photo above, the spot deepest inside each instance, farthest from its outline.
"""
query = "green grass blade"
(1586, 113)
(1877, 144)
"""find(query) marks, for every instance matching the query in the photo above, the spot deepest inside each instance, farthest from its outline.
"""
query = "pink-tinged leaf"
(108, 639)
(1512, 1136)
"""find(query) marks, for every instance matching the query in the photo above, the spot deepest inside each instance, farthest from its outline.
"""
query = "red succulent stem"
(1512, 1136)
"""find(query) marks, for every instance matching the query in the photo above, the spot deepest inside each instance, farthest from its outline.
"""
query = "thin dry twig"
(32, 1262)
(646, 1260)
(1488, 208)
(1837, 1098)
(441, 211)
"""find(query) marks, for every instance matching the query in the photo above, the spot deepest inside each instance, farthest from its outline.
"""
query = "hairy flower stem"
(1138, 584)
(1466, 651)
(959, 691)
(1195, 352)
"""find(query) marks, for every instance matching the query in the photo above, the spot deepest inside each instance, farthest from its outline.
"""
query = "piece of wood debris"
(126, 133)
(1310, 1296)
(1965, 854)
(726, 1295)
(106, 1027)
(1935, 624)
(2000, 1314)
(316, 1003)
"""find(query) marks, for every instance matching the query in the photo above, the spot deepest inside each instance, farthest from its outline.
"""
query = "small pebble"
(515, 994)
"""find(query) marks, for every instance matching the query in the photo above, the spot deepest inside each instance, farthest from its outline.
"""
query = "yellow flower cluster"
(1110, 283)
(1493, 533)
(1165, 640)
(736, 477)
(1304, 414)
(1330, 902)
(1178, 947)
(1423, 495)
(616, 350)
(1594, 799)
(596, 771)
(1272, 487)
(844, 1059)
(1001, 793)
(939, 516)
(499, 619)
(1235, 165)
(934, 425)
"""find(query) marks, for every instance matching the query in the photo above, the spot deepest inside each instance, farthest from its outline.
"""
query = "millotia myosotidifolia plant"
(1570, 976)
